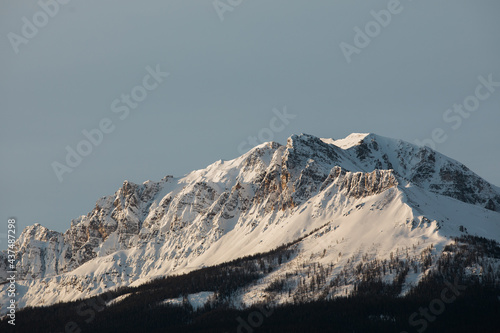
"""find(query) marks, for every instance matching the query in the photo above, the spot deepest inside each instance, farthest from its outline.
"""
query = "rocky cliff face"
(359, 184)
(423, 167)
(158, 227)
(42, 252)
(46, 253)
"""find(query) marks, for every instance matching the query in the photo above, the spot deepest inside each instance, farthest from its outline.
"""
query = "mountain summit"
(364, 196)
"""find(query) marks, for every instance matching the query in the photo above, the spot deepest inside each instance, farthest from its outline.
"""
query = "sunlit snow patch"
(197, 300)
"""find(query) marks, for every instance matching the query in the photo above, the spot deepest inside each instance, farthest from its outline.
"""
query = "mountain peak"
(351, 140)
(365, 187)
(302, 137)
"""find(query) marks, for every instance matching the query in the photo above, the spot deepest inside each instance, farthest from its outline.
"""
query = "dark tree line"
(374, 305)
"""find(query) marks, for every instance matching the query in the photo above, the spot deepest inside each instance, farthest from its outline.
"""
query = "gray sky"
(226, 77)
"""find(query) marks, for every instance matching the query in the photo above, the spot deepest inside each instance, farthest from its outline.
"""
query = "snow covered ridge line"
(368, 194)
(95, 136)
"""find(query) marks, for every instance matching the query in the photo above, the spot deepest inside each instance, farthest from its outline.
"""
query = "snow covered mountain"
(365, 197)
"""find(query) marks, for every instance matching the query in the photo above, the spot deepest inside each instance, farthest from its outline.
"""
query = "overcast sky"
(229, 67)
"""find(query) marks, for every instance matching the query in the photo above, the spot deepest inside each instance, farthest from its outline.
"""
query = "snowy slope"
(366, 195)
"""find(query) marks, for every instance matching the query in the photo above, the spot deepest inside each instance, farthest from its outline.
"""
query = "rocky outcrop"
(361, 184)
(43, 252)
(183, 217)
(426, 168)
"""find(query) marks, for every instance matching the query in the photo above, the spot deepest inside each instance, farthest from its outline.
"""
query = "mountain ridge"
(269, 196)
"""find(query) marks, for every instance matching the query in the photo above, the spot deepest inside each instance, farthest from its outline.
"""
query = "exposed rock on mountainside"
(271, 195)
